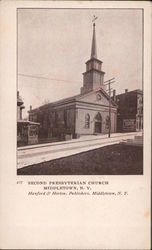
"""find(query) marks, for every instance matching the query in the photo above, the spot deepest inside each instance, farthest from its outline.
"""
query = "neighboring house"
(83, 114)
(130, 111)
(27, 132)
(20, 106)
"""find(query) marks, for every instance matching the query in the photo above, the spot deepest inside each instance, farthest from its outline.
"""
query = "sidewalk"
(82, 138)
(30, 155)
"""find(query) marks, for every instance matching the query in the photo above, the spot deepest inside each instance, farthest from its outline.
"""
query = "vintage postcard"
(77, 142)
(65, 118)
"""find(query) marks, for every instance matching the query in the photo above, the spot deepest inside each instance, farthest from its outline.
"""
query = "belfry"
(93, 78)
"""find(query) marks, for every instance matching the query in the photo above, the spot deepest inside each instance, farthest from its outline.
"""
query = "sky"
(54, 44)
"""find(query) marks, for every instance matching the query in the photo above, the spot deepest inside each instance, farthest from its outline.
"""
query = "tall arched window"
(98, 117)
(98, 123)
(87, 121)
(107, 122)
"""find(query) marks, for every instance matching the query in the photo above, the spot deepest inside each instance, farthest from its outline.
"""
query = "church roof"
(72, 99)
(103, 92)
(60, 102)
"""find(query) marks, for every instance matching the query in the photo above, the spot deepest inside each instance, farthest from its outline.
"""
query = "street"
(34, 154)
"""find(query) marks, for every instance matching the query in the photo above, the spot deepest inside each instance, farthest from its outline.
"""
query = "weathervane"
(94, 18)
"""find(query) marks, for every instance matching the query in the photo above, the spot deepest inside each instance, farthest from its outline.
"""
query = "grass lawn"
(109, 160)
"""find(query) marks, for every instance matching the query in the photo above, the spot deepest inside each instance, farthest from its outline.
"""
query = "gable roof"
(72, 99)
(96, 90)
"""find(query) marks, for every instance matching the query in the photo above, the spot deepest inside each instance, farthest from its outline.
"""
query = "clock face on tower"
(98, 97)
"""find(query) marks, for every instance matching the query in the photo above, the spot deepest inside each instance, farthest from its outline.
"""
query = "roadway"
(34, 154)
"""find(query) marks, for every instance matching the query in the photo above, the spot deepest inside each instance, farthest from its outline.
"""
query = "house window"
(87, 121)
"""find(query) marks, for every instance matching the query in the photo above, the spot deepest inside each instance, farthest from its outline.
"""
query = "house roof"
(27, 122)
(132, 91)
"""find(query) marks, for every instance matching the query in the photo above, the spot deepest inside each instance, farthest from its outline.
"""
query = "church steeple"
(94, 46)
(93, 78)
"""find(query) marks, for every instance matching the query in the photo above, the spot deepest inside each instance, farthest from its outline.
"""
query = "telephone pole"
(109, 82)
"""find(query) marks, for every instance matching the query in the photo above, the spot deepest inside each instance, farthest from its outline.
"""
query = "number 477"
(19, 182)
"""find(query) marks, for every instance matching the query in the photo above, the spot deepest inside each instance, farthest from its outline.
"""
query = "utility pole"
(109, 82)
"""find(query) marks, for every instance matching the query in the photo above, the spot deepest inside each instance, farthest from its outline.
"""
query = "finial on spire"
(94, 18)
(94, 49)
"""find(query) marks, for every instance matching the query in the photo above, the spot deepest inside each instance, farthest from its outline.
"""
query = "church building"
(83, 114)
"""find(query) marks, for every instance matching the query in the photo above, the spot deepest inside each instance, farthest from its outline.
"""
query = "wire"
(46, 78)
(54, 79)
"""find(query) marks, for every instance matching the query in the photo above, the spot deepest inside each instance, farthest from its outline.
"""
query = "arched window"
(107, 122)
(98, 117)
(87, 121)
(98, 123)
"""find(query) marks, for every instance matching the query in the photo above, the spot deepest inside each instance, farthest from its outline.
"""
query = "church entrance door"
(98, 123)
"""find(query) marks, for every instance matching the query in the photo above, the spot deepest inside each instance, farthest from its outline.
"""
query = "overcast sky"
(56, 43)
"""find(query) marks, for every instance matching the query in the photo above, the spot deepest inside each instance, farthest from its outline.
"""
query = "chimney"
(30, 107)
(114, 95)
(126, 90)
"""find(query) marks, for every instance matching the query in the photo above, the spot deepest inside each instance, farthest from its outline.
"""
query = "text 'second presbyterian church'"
(83, 114)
